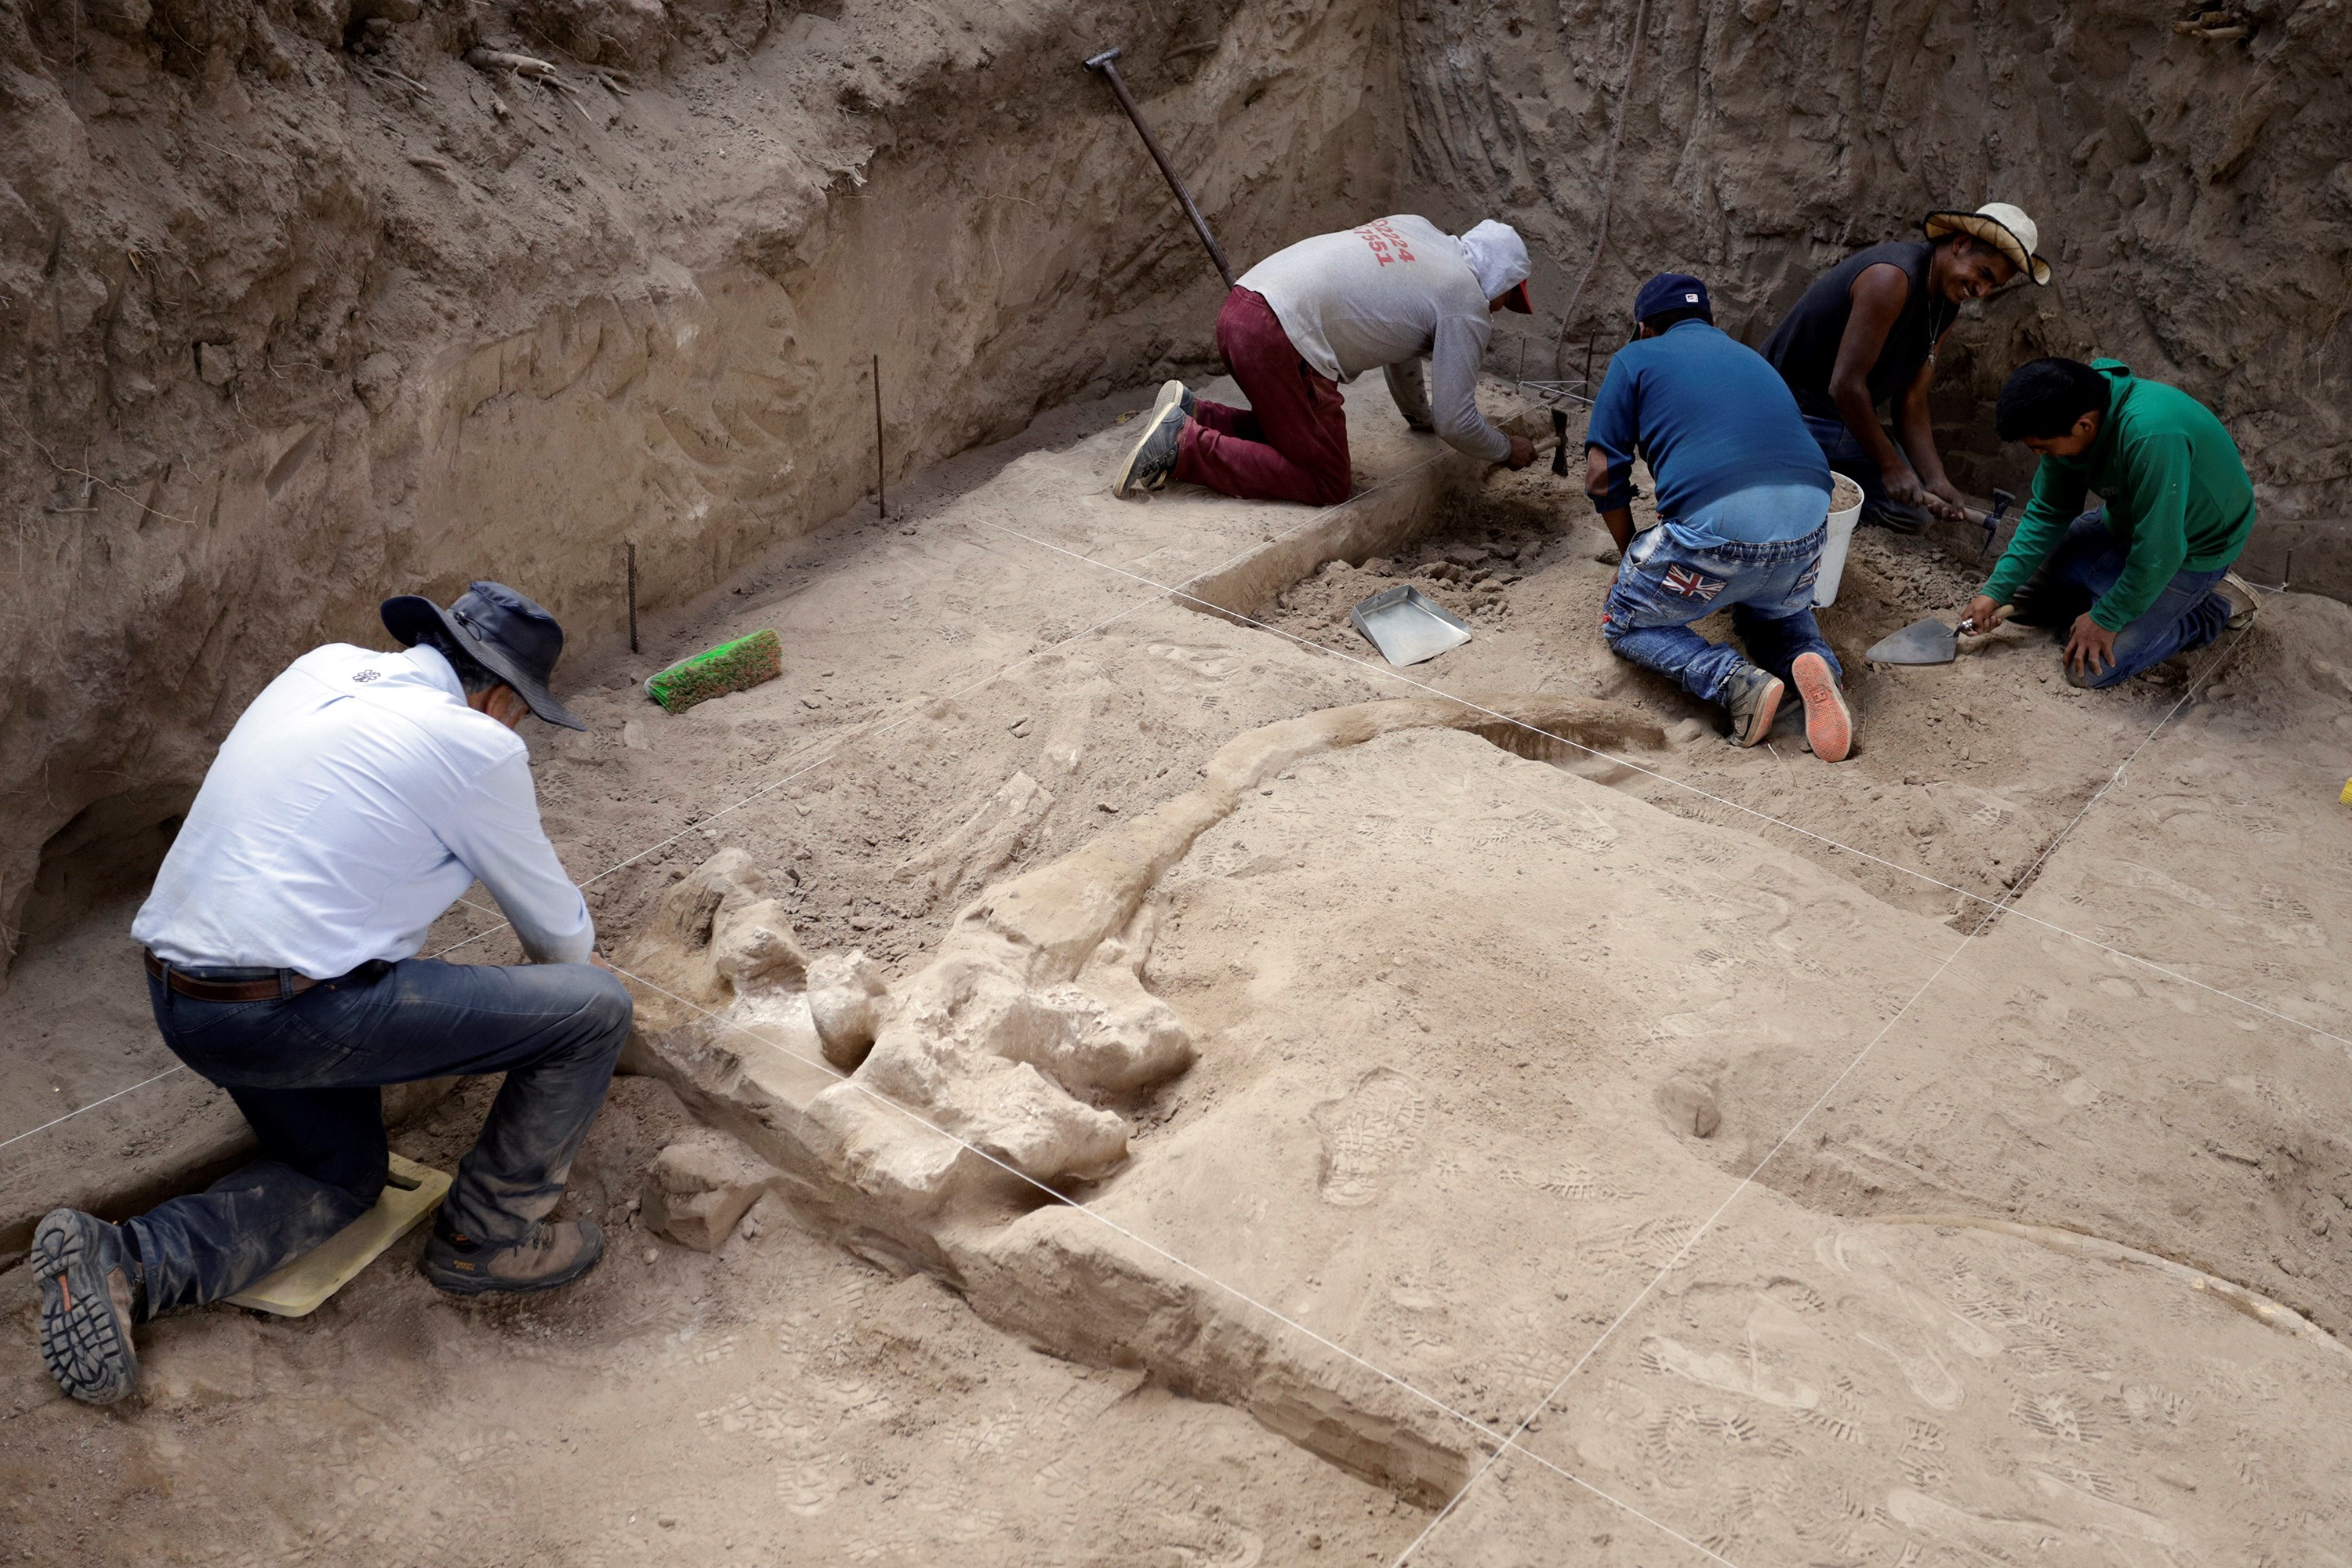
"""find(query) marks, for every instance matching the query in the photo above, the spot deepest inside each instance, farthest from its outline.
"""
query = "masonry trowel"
(1922, 642)
(1931, 641)
(1925, 642)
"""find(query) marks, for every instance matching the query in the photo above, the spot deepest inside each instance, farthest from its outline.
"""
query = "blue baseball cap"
(1669, 292)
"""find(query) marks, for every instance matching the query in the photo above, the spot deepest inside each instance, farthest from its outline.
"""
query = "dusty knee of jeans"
(609, 1008)
(2076, 678)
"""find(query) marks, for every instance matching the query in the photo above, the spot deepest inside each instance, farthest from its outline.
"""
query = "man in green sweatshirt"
(2130, 584)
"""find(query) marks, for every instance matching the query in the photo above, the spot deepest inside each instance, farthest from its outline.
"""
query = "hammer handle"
(1105, 64)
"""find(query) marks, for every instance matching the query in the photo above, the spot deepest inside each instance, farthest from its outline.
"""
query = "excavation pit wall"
(293, 326)
(392, 340)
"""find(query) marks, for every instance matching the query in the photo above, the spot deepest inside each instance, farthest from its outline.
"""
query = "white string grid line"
(830, 750)
(2002, 904)
(1691, 1243)
(93, 1105)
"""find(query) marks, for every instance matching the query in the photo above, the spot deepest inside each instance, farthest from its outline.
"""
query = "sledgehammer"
(1106, 66)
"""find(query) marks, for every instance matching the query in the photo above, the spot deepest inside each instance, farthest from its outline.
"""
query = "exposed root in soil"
(2075, 1244)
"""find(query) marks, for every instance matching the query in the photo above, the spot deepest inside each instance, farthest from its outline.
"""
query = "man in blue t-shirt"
(1743, 508)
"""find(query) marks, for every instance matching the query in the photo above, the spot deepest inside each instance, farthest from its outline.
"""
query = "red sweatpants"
(1291, 442)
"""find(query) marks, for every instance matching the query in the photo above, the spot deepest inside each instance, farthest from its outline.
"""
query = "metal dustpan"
(1407, 626)
(1922, 642)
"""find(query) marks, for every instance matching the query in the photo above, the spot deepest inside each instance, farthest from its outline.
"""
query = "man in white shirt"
(358, 796)
(1323, 311)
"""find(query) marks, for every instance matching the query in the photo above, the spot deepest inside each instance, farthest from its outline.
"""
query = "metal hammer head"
(2002, 501)
(1102, 60)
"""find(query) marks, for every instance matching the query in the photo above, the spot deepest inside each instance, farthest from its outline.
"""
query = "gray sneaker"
(1177, 393)
(1753, 699)
(550, 1255)
(90, 1297)
(1153, 456)
(2243, 604)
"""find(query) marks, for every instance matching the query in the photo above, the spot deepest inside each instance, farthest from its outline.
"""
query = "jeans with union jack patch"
(1669, 579)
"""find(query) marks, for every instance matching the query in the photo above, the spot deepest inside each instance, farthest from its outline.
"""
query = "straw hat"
(2004, 227)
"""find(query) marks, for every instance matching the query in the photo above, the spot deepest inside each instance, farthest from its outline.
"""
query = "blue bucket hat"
(514, 638)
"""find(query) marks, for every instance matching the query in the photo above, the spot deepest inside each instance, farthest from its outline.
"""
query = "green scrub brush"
(735, 666)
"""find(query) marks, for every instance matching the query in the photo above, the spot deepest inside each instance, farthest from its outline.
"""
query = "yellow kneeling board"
(410, 1192)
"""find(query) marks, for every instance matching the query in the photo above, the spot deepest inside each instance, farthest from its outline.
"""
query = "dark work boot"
(552, 1254)
(90, 1297)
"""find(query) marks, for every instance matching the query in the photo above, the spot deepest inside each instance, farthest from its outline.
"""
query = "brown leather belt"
(188, 985)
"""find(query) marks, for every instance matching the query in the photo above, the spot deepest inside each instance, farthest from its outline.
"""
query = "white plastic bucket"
(1833, 546)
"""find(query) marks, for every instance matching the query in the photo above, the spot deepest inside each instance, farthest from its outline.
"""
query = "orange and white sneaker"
(1829, 723)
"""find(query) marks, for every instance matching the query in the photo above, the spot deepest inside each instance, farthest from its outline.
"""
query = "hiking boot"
(1178, 394)
(2243, 605)
(1153, 456)
(552, 1253)
(1829, 723)
(89, 1299)
(1753, 699)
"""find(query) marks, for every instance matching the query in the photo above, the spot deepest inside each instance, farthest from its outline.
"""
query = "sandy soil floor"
(776, 1402)
(1493, 1051)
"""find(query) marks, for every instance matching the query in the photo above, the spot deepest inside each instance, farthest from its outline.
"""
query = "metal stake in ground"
(881, 471)
(1105, 66)
(632, 549)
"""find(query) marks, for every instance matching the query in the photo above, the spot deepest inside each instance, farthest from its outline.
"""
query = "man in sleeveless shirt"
(1866, 333)
(1324, 310)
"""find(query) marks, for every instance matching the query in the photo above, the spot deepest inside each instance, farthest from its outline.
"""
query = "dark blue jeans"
(1845, 452)
(308, 1072)
(1666, 581)
(2085, 564)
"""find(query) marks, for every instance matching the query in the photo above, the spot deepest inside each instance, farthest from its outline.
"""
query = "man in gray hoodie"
(1326, 310)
